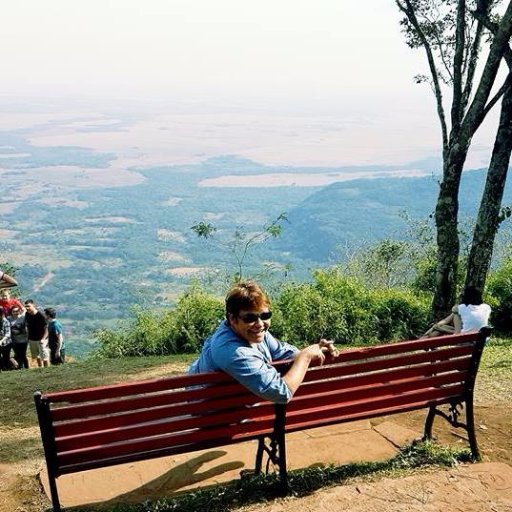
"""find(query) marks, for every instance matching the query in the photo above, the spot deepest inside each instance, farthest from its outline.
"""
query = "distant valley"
(93, 239)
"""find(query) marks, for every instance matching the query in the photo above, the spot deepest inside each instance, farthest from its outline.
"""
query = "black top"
(35, 325)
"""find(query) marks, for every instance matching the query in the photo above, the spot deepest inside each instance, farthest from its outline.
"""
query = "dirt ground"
(481, 487)
(485, 487)
(470, 488)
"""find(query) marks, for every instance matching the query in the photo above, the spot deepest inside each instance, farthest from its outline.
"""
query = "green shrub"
(180, 330)
(146, 333)
(340, 308)
(332, 306)
(499, 289)
(195, 317)
(399, 314)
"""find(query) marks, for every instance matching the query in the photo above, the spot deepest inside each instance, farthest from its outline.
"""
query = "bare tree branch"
(458, 60)
(506, 84)
(499, 46)
(442, 53)
(492, 27)
(483, 19)
(408, 10)
(483, 6)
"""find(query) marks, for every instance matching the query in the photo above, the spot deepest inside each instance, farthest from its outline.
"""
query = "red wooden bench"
(103, 426)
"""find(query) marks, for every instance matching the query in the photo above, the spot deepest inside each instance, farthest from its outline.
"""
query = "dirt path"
(474, 488)
(483, 487)
(44, 281)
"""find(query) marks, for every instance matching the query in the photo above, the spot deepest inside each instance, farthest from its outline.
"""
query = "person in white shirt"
(473, 312)
(470, 315)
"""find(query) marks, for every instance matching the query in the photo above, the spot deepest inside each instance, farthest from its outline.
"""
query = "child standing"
(55, 338)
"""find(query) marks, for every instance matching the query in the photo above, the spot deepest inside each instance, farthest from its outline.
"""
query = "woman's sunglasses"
(250, 318)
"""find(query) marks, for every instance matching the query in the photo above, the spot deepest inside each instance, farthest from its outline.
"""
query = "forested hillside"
(363, 211)
(93, 252)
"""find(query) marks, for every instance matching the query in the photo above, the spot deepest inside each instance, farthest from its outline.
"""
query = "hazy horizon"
(293, 82)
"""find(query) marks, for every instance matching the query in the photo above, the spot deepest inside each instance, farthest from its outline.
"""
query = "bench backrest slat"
(401, 347)
(380, 377)
(392, 378)
(298, 420)
(387, 363)
(114, 420)
(138, 387)
(169, 449)
(370, 392)
(364, 390)
(182, 442)
(169, 425)
(137, 400)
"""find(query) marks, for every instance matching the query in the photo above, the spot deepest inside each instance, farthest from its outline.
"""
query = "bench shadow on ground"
(179, 477)
(152, 479)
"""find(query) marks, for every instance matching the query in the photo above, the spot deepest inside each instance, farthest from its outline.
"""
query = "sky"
(291, 57)
(266, 47)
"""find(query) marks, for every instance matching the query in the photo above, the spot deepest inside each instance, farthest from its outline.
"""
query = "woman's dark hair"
(472, 295)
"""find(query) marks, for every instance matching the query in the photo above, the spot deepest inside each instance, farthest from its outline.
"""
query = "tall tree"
(491, 214)
(452, 33)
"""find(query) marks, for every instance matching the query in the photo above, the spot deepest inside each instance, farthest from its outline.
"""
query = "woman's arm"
(445, 321)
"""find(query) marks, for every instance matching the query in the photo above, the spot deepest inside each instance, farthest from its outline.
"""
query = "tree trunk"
(490, 206)
(447, 209)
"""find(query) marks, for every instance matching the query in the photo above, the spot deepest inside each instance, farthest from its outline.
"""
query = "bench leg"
(276, 449)
(453, 418)
(429, 421)
(470, 427)
(259, 455)
(276, 453)
(54, 494)
(280, 438)
(281, 460)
